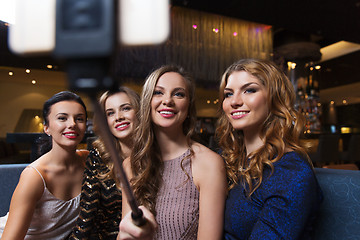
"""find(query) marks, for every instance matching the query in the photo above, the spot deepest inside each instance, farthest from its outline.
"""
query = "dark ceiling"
(322, 22)
(330, 20)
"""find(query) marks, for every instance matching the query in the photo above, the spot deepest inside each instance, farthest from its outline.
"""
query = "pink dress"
(177, 205)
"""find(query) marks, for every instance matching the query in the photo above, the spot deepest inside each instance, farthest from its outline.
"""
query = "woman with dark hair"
(44, 143)
(180, 181)
(45, 203)
(100, 207)
(273, 193)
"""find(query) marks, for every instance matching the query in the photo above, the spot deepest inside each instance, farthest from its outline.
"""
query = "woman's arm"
(25, 197)
(210, 177)
(289, 198)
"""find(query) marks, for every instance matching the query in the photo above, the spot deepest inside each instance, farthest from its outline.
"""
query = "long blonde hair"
(280, 131)
(146, 163)
(99, 143)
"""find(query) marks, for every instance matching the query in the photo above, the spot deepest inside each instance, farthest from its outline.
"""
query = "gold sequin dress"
(100, 204)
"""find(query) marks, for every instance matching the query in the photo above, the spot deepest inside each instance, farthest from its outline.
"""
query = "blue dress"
(283, 207)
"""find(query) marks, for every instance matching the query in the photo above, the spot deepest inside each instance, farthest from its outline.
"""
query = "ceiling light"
(338, 49)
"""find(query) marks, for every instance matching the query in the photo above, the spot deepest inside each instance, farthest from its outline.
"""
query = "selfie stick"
(85, 39)
(136, 214)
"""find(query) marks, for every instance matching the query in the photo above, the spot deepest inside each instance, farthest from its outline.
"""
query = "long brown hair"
(146, 163)
(280, 131)
(99, 143)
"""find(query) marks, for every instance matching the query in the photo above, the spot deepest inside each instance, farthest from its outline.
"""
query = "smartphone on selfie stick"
(85, 34)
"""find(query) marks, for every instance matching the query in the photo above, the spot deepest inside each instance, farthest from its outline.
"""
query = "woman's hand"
(129, 231)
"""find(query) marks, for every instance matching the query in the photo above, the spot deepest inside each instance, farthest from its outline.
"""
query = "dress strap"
(39, 174)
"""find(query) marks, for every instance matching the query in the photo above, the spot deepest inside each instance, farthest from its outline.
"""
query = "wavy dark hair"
(280, 131)
(45, 143)
(146, 163)
(99, 143)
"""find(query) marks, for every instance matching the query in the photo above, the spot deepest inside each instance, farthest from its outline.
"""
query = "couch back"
(9, 177)
(339, 216)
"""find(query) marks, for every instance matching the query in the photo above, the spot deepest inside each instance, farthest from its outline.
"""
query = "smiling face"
(245, 103)
(120, 114)
(170, 101)
(67, 124)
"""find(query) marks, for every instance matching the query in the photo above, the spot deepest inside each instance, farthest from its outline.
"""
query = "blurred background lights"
(291, 65)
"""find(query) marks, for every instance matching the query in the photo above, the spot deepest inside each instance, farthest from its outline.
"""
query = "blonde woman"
(180, 181)
(101, 196)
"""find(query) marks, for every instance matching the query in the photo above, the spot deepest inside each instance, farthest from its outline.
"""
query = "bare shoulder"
(30, 174)
(208, 168)
(202, 150)
(30, 183)
(204, 155)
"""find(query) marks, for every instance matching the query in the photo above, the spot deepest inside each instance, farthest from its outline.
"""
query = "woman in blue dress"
(273, 193)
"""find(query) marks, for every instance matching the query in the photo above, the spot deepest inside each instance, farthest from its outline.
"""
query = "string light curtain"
(204, 44)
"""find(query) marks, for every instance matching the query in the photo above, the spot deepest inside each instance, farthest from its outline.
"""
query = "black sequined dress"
(100, 204)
